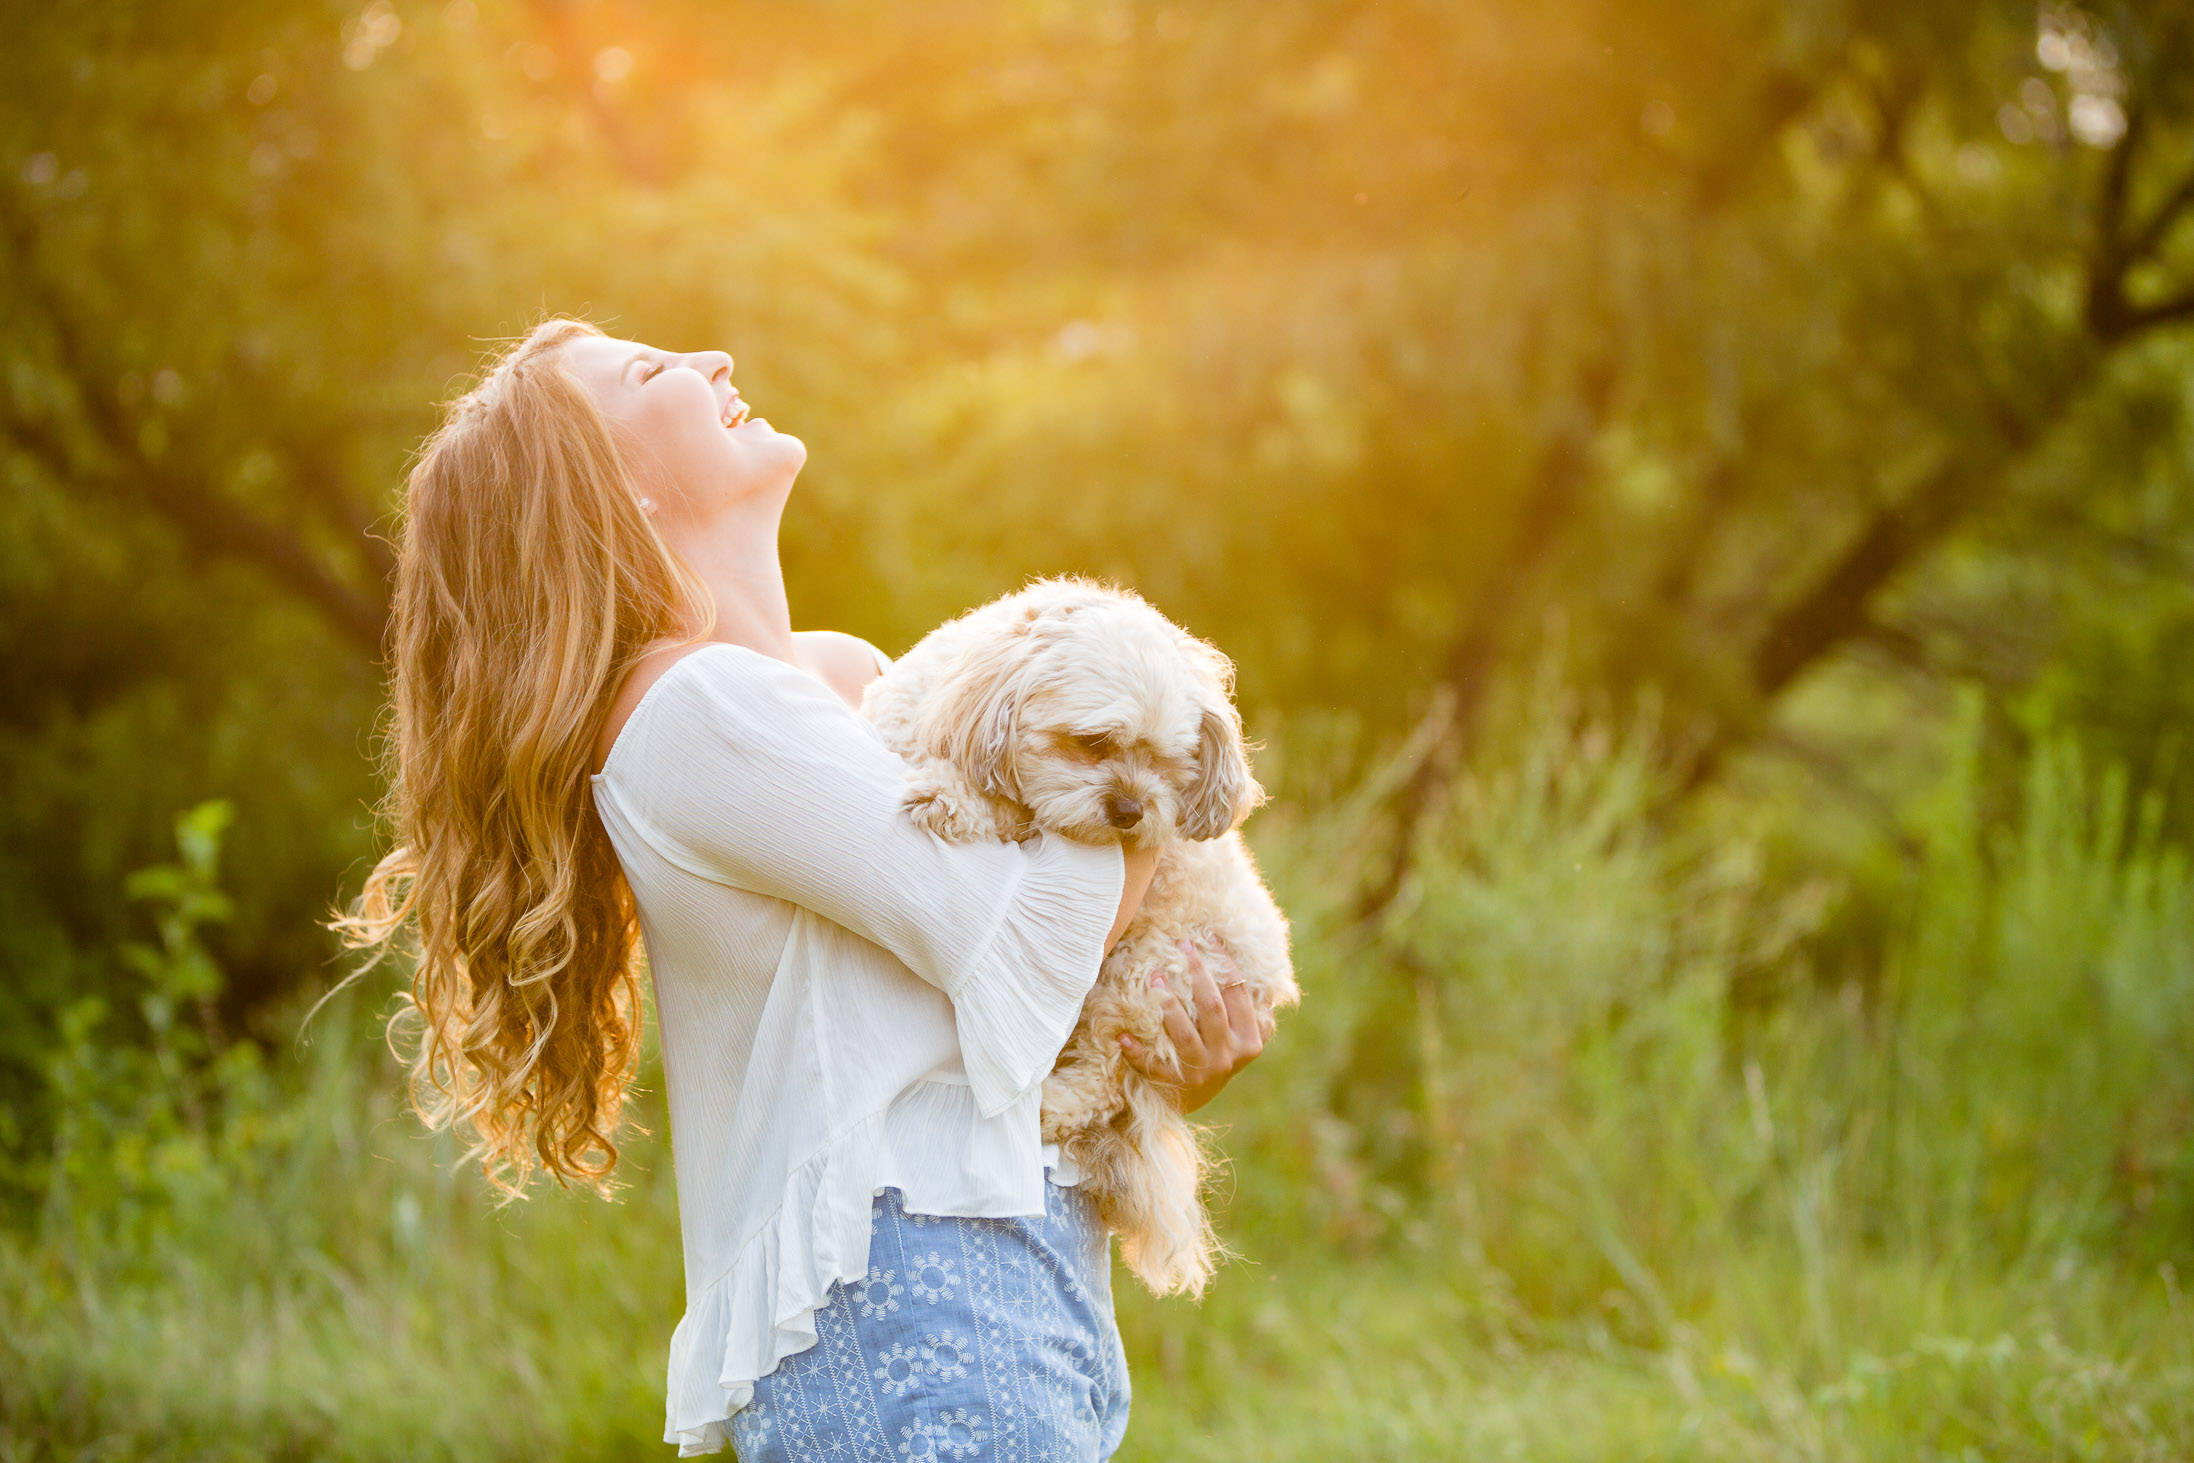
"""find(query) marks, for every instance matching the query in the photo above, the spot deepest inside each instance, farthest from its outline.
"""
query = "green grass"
(388, 1312)
(1403, 1361)
(1596, 1152)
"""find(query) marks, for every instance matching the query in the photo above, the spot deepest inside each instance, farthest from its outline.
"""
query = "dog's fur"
(1059, 709)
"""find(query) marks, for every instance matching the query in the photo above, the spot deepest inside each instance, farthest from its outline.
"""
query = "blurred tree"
(1800, 357)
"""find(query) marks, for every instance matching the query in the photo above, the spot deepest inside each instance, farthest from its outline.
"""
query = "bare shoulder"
(845, 663)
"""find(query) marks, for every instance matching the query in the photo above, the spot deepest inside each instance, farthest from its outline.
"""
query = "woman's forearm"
(1140, 866)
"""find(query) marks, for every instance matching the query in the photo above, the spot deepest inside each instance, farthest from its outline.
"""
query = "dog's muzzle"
(1122, 812)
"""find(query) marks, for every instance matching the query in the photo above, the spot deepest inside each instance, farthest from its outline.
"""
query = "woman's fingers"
(1213, 1022)
(1234, 1032)
(1188, 1042)
(1247, 1029)
(1225, 1035)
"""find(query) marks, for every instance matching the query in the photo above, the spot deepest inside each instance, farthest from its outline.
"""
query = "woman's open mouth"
(735, 411)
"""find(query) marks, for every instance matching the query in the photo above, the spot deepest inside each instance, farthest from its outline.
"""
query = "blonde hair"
(529, 581)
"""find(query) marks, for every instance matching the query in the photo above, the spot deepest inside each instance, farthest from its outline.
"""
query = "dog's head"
(1099, 715)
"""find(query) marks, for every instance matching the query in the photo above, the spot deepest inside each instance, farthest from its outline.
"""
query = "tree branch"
(2168, 212)
(1466, 673)
(1562, 471)
(1837, 607)
(2110, 315)
(208, 519)
(2139, 318)
(217, 527)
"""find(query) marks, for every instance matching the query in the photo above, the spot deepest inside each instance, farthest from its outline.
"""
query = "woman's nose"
(711, 364)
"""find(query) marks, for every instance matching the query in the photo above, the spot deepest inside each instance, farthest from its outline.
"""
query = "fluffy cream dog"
(1075, 709)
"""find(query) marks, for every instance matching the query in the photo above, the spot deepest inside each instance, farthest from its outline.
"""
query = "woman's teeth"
(735, 413)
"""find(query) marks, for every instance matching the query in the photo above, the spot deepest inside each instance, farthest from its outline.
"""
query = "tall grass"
(1602, 1146)
(1667, 1183)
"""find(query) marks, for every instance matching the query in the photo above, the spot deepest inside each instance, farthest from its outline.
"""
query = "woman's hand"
(1225, 1037)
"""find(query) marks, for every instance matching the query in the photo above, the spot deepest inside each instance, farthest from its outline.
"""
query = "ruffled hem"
(762, 1309)
(1017, 1004)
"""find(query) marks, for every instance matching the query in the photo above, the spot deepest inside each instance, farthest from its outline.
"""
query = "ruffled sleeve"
(742, 769)
(1016, 1004)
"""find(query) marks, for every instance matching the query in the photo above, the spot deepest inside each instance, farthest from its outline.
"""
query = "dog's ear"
(1223, 792)
(971, 722)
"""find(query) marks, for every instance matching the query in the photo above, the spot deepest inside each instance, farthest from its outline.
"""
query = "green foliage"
(1794, 1067)
(2039, 961)
(143, 1130)
(1358, 336)
(1617, 1208)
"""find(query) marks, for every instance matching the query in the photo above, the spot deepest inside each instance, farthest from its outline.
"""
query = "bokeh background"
(1701, 497)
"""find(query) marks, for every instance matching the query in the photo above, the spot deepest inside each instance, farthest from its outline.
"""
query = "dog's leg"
(939, 800)
(1083, 1090)
(1081, 1093)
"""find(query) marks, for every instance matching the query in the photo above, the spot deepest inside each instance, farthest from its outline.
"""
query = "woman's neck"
(735, 557)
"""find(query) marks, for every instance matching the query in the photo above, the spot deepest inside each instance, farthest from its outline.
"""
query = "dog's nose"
(1122, 812)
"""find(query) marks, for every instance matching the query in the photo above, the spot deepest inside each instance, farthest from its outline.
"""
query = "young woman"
(606, 729)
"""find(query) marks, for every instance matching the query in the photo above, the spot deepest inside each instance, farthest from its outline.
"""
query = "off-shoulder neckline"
(617, 742)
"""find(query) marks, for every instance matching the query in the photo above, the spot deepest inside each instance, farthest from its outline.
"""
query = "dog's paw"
(940, 805)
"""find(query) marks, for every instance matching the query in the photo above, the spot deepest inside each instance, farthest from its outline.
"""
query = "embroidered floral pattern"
(880, 1293)
(956, 1434)
(944, 1356)
(750, 1428)
(916, 1443)
(899, 1370)
(1006, 1353)
(932, 1278)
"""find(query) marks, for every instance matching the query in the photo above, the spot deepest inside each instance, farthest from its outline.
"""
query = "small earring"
(647, 505)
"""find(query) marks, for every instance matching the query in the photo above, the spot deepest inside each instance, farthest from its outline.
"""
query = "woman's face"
(697, 444)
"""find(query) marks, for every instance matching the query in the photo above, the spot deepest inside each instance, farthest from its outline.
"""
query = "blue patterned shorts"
(971, 1339)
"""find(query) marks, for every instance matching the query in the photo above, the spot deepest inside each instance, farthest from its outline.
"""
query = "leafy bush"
(1598, 1202)
(145, 1132)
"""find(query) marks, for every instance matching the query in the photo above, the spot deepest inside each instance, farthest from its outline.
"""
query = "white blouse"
(846, 1002)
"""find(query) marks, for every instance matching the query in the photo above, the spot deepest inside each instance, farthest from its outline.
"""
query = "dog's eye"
(1093, 743)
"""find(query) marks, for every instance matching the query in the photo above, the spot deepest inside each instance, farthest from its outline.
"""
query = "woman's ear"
(1222, 792)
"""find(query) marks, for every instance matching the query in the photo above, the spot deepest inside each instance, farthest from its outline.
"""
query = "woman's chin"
(762, 438)
(759, 456)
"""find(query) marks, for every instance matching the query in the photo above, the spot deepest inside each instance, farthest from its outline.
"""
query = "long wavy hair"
(529, 580)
